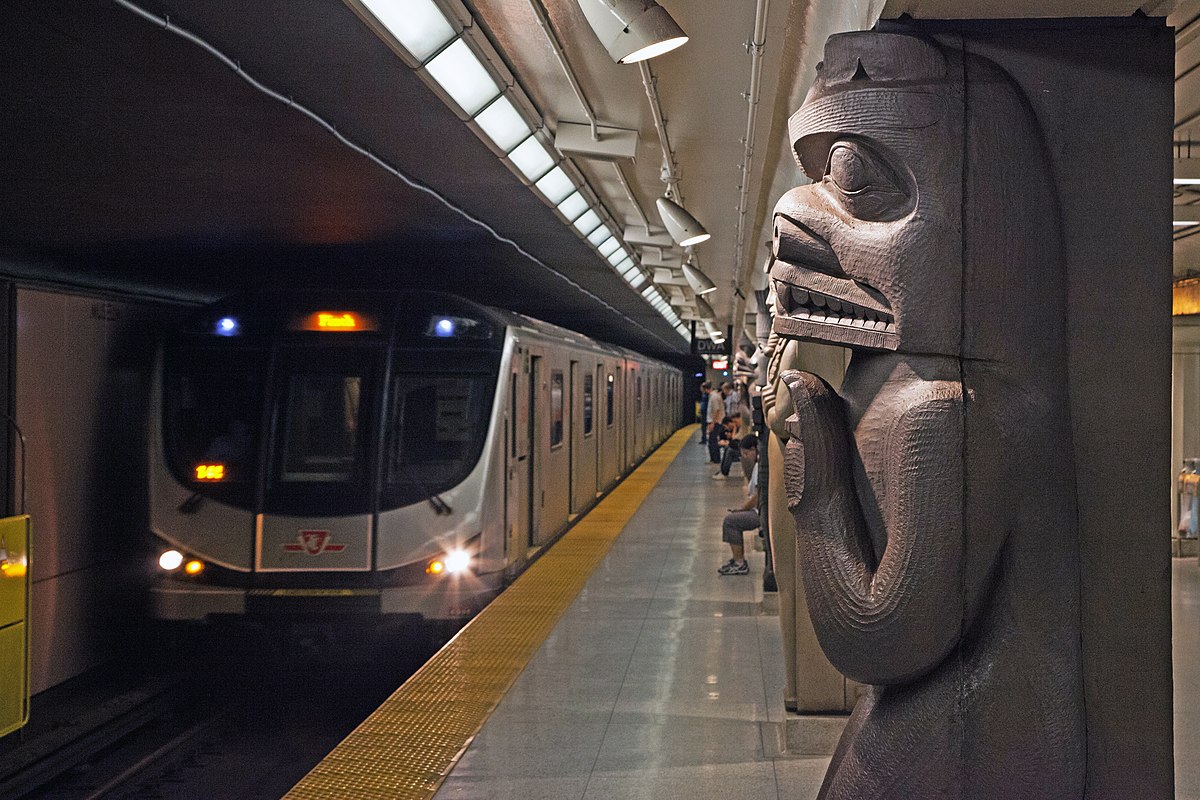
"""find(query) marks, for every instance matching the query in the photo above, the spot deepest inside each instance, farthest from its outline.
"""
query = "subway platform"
(633, 670)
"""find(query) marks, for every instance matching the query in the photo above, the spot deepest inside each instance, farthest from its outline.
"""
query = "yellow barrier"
(14, 623)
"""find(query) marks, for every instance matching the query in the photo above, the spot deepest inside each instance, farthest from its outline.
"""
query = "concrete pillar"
(813, 685)
(1103, 92)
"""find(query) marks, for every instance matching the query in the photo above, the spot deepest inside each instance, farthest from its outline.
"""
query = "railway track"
(245, 728)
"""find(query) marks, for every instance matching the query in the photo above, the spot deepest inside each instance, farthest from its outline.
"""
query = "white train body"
(380, 454)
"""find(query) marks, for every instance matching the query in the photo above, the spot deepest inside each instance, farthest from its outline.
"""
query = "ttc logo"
(314, 543)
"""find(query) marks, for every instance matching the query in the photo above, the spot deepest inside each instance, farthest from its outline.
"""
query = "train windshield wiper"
(440, 506)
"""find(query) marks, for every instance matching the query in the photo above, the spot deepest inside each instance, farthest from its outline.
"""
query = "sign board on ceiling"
(709, 347)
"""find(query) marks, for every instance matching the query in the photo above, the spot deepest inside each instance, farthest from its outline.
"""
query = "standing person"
(730, 395)
(744, 517)
(716, 413)
(705, 389)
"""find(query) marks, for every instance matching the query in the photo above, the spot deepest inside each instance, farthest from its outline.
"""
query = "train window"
(608, 402)
(556, 408)
(587, 405)
(213, 402)
(321, 428)
(437, 425)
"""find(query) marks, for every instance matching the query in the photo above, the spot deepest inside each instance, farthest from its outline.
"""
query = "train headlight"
(170, 560)
(453, 563)
(226, 326)
(457, 561)
(194, 567)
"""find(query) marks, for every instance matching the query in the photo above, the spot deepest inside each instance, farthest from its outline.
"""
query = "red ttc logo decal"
(314, 543)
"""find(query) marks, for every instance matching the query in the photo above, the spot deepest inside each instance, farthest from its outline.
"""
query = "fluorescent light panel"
(573, 206)
(588, 222)
(555, 185)
(503, 124)
(532, 158)
(600, 236)
(610, 246)
(418, 25)
(464, 77)
(618, 256)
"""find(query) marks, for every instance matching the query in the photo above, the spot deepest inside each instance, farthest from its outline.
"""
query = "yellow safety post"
(14, 623)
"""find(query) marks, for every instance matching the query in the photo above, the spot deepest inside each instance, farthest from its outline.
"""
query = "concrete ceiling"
(133, 154)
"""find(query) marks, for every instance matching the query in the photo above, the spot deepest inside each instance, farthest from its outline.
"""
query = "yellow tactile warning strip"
(406, 748)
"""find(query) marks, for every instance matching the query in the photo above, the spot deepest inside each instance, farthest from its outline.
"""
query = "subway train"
(395, 455)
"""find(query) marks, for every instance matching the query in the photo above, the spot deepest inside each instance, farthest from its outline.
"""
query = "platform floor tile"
(662, 680)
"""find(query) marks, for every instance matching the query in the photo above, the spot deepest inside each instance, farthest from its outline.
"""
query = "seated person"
(731, 452)
(745, 517)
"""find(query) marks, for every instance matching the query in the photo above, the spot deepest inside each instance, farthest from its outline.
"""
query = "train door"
(598, 382)
(617, 398)
(573, 446)
(519, 474)
(535, 497)
(632, 415)
(318, 508)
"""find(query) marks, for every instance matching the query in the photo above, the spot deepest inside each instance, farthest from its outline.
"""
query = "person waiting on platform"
(716, 413)
(705, 391)
(731, 446)
(745, 517)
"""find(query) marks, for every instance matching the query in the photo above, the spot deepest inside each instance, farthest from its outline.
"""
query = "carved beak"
(817, 300)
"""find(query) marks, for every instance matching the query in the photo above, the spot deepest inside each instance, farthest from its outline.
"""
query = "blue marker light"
(227, 326)
(444, 327)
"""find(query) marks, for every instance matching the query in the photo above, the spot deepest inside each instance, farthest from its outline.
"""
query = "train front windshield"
(437, 425)
(337, 424)
(213, 418)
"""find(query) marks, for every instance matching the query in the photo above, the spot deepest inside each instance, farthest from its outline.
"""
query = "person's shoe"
(734, 568)
(719, 477)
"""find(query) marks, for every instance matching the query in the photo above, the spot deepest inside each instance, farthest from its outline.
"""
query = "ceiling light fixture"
(683, 227)
(705, 310)
(418, 25)
(700, 283)
(632, 30)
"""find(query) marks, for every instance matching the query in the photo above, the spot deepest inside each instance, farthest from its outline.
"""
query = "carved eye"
(848, 170)
(869, 187)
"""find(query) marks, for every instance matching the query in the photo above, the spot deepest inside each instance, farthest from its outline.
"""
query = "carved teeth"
(813, 306)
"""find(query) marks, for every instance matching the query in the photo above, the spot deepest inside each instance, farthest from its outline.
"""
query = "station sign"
(709, 347)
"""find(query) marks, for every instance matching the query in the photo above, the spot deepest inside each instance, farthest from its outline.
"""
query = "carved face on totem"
(868, 255)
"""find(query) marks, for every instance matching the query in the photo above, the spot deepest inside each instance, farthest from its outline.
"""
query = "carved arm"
(891, 619)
